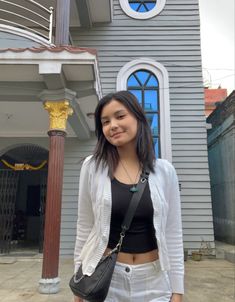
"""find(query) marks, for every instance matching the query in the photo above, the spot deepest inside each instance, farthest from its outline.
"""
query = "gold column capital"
(58, 114)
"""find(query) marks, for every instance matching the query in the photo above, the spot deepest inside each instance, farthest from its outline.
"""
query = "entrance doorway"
(23, 178)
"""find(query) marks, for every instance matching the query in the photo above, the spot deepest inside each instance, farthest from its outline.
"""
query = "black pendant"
(133, 189)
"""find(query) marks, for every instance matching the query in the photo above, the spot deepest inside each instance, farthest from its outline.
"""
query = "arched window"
(144, 85)
(148, 81)
(142, 9)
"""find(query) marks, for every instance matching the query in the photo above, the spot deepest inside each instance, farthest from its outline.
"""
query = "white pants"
(139, 283)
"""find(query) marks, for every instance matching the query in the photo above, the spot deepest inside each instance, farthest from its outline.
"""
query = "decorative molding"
(144, 15)
(58, 114)
(56, 133)
(162, 75)
(22, 166)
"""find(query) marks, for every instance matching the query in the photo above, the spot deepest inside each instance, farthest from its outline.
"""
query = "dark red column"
(51, 245)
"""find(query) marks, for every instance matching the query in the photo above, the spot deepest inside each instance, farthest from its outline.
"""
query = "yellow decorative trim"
(20, 167)
(58, 114)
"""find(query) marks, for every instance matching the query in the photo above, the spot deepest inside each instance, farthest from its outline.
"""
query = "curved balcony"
(28, 15)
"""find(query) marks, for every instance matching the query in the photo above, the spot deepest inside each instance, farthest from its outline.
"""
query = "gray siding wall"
(75, 152)
(173, 39)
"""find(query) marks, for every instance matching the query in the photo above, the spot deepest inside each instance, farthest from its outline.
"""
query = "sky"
(217, 19)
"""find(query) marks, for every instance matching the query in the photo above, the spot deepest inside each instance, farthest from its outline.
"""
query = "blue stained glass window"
(134, 6)
(144, 85)
(142, 76)
(142, 9)
(142, 6)
(151, 96)
(133, 81)
(156, 145)
(152, 81)
(138, 95)
(153, 122)
(151, 5)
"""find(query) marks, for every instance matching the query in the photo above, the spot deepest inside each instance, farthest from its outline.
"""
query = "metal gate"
(8, 189)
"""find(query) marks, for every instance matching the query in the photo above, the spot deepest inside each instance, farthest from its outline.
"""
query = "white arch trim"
(145, 15)
(161, 73)
(25, 34)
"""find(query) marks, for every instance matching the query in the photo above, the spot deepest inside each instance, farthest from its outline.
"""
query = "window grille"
(142, 6)
(144, 85)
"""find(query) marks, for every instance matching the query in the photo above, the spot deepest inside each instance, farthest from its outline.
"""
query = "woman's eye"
(121, 116)
(105, 123)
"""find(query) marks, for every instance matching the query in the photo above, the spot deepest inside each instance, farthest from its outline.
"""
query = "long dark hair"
(107, 154)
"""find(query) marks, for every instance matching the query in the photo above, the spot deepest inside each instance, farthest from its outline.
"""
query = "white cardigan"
(94, 214)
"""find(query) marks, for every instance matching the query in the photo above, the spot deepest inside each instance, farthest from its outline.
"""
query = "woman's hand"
(176, 298)
(77, 299)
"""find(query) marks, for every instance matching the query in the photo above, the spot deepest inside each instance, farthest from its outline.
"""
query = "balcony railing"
(28, 15)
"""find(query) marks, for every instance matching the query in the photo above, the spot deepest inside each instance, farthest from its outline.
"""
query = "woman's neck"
(128, 154)
(129, 167)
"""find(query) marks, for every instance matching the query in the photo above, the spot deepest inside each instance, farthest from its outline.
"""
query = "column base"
(49, 286)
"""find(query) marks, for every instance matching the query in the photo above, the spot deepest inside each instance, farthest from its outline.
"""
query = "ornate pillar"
(58, 114)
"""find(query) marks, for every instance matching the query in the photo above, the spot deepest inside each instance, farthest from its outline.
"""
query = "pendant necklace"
(133, 189)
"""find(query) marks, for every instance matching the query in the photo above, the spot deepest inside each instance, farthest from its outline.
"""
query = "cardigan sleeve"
(173, 234)
(85, 219)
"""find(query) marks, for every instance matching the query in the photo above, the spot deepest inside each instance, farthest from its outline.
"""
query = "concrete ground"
(208, 280)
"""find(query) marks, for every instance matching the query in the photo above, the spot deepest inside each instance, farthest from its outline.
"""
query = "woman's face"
(119, 124)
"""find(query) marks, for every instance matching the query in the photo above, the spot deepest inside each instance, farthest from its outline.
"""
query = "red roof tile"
(71, 49)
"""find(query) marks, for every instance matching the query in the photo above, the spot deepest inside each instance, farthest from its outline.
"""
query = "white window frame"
(162, 75)
(144, 15)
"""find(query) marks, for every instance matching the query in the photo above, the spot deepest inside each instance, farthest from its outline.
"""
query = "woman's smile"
(116, 134)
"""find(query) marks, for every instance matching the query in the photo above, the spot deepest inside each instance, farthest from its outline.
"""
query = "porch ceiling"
(25, 74)
(25, 119)
(30, 72)
(101, 10)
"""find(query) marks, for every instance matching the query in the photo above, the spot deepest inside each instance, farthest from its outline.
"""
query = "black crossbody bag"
(95, 288)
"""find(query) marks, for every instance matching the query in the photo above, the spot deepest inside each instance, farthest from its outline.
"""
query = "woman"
(150, 265)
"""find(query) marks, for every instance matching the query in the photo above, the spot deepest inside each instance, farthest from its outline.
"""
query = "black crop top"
(140, 238)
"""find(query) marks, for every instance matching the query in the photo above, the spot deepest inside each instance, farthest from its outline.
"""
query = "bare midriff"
(134, 259)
